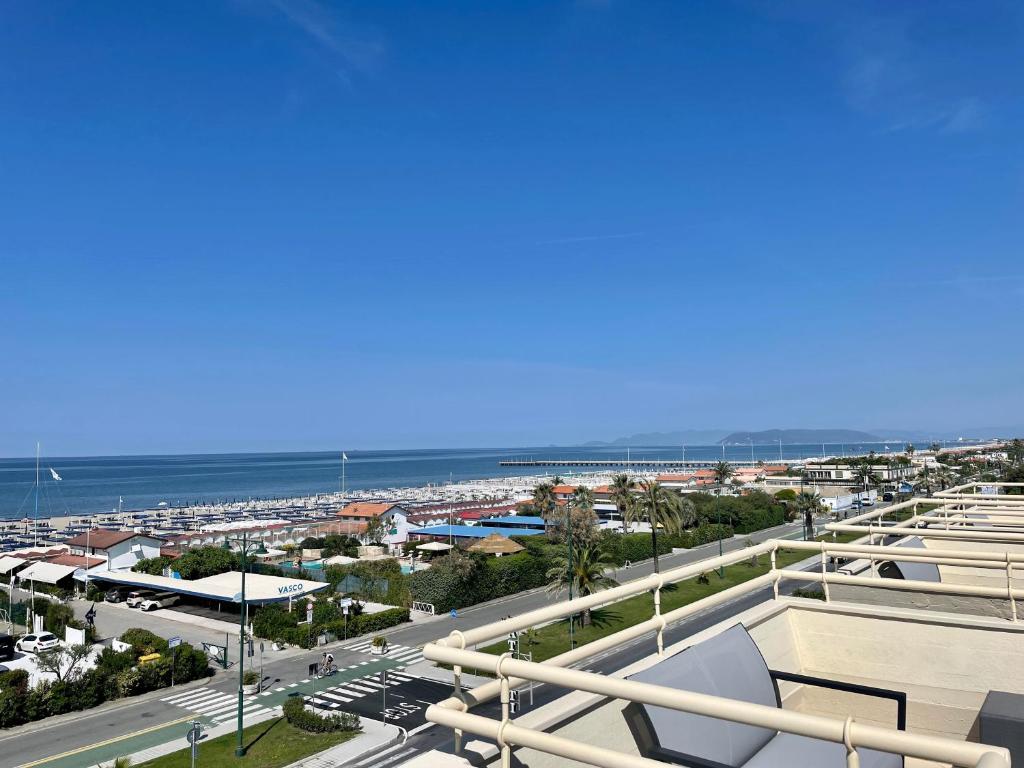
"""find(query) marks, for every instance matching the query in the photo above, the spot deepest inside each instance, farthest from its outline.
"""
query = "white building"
(121, 549)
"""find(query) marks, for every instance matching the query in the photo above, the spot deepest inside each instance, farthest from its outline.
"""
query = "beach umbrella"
(496, 544)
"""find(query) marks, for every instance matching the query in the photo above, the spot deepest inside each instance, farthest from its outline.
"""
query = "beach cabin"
(121, 549)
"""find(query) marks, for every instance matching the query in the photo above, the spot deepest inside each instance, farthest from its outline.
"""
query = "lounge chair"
(730, 665)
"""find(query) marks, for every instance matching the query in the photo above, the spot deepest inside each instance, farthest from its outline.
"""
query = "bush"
(154, 566)
(143, 642)
(295, 712)
(206, 561)
(786, 494)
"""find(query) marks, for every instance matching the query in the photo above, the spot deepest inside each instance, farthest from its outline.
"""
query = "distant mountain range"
(682, 437)
(792, 436)
(802, 436)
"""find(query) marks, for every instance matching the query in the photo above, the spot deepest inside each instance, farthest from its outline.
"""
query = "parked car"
(867, 502)
(114, 596)
(44, 641)
(159, 600)
(134, 599)
(887, 496)
(6, 646)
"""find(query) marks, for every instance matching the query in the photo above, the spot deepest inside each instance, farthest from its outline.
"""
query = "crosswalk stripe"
(187, 695)
(196, 695)
(338, 696)
(248, 713)
(363, 663)
(210, 706)
(280, 689)
(359, 687)
(198, 702)
(265, 693)
(349, 692)
(222, 708)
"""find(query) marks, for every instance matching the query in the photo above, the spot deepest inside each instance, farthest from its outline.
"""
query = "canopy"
(496, 544)
(48, 573)
(434, 546)
(259, 588)
(8, 564)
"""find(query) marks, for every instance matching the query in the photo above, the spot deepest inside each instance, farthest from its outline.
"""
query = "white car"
(44, 641)
(867, 502)
(159, 600)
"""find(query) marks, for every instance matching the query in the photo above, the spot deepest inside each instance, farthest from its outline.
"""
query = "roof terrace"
(787, 682)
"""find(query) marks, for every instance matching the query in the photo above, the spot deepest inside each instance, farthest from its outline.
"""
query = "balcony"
(856, 682)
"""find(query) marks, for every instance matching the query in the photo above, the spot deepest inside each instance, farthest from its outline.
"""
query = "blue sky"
(259, 224)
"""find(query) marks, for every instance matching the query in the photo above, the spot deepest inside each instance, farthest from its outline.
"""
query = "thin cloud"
(359, 50)
(590, 238)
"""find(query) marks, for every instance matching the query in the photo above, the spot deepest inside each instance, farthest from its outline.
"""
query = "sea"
(99, 483)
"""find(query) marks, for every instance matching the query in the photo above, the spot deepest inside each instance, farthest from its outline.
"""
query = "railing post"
(506, 750)
(660, 634)
(1009, 588)
(775, 582)
(852, 758)
(824, 581)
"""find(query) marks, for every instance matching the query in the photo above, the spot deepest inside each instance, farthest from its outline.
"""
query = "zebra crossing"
(218, 705)
(338, 696)
(403, 654)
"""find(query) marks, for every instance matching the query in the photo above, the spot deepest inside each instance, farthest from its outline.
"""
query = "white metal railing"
(423, 607)
(951, 519)
(511, 672)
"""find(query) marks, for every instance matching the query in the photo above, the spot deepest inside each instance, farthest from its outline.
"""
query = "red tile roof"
(99, 538)
(76, 561)
(365, 509)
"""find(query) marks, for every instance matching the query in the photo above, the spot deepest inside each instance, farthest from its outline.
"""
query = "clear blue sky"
(249, 224)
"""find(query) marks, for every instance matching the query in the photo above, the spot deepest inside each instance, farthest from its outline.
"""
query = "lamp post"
(572, 575)
(243, 548)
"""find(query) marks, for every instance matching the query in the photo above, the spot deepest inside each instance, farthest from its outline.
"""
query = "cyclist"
(328, 663)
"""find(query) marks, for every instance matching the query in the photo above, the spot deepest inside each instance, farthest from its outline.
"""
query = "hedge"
(458, 580)
(274, 623)
(295, 712)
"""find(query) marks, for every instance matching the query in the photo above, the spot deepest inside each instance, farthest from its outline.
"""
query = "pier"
(637, 463)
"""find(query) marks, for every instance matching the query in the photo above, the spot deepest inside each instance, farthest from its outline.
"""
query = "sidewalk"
(376, 737)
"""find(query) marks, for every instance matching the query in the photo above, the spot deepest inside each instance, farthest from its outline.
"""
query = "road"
(284, 677)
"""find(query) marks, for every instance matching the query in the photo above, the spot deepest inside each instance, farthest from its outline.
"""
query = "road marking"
(99, 744)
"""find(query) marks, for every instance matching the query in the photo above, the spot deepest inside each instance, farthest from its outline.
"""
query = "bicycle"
(326, 670)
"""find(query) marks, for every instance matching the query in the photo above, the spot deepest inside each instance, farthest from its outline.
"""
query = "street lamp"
(244, 549)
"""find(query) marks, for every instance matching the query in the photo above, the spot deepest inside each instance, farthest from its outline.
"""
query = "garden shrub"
(295, 712)
(143, 642)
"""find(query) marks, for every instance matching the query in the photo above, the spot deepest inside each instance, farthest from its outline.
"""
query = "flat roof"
(537, 522)
(227, 587)
(472, 531)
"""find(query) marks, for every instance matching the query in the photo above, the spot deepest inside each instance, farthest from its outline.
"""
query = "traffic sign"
(454, 614)
(173, 642)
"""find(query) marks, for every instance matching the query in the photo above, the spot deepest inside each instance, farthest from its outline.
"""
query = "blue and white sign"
(173, 642)
(291, 589)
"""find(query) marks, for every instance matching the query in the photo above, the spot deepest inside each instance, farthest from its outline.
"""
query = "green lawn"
(553, 639)
(271, 744)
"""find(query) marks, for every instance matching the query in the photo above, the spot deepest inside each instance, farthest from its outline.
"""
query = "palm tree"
(807, 504)
(935, 448)
(543, 501)
(660, 507)
(687, 513)
(926, 480)
(944, 478)
(864, 475)
(622, 496)
(723, 471)
(580, 520)
(583, 574)
(583, 498)
(910, 450)
(1015, 450)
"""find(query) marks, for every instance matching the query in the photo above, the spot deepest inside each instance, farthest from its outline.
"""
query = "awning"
(8, 564)
(48, 573)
